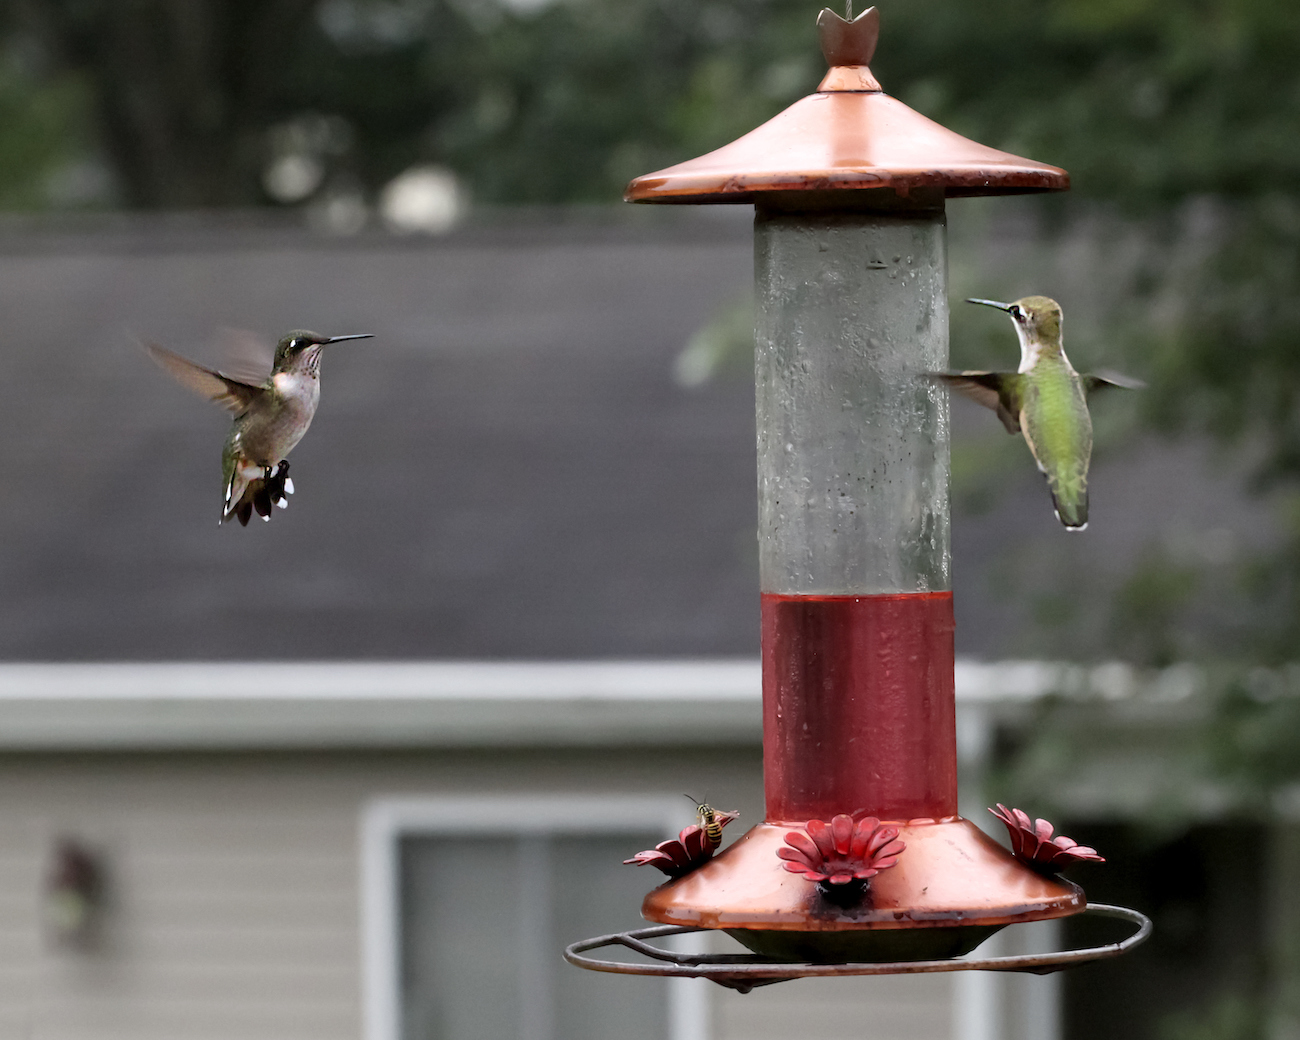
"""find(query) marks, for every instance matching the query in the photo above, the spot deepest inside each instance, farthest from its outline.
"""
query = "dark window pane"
(484, 922)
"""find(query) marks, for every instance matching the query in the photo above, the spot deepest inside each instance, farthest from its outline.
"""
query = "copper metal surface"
(743, 972)
(849, 77)
(952, 874)
(847, 136)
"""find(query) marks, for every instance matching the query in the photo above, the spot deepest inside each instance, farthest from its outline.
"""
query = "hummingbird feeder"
(862, 865)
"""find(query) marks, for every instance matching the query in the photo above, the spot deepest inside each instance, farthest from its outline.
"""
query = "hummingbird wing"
(1000, 391)
(244, 355)
(231, 394)
(1104, 379)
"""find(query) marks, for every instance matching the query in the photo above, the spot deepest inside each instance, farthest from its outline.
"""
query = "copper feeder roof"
(849, 135)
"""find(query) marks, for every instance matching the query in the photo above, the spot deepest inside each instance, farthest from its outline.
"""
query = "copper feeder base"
(953, 888)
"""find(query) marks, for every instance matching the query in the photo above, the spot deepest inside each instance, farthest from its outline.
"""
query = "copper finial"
(848, 42)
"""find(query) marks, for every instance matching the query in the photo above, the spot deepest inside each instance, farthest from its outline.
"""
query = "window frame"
(386, 821)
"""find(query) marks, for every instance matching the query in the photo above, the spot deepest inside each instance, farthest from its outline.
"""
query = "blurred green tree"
(1148, 104)
(181, 91)
(43, 129)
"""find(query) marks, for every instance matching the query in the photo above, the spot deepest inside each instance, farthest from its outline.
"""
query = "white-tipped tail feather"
(253, 489)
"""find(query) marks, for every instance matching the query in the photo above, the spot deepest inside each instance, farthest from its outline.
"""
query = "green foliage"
(1165, 747)
(529, 103)
(567, 102)
(43, 129)
(983, 466)
(1231, 1018)
(1146, 103)
(1228, 1017)
(724, 344)
(1146, 625)
(1255, 731)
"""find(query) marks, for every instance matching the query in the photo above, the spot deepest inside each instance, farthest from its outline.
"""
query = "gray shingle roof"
(507, 470)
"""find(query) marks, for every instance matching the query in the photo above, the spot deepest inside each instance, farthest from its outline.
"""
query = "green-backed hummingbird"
(270, 418)
(1046, 401)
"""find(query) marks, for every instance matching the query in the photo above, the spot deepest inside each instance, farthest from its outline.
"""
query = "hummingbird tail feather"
(257, 494)
(1073, 513)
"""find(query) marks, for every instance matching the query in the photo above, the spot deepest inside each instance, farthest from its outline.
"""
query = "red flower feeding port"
(1032, 842)
(850, 266)
(842, 852)
(678, 856)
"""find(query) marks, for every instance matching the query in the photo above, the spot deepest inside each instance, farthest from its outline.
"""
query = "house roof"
(507, 470)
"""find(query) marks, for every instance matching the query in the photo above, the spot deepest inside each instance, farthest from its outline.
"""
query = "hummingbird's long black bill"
(990, 303)
(359, 335)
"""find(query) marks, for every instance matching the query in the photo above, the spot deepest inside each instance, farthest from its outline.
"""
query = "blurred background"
(546, 456)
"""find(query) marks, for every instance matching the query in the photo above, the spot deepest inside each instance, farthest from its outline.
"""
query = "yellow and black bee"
(711, 821)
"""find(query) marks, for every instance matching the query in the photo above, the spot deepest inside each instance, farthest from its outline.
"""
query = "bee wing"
(231, 394)
(1104, 379)
(999, 391)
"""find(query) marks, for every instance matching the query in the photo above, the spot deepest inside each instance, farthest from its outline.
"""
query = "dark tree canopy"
(182, 90)
(561, 100)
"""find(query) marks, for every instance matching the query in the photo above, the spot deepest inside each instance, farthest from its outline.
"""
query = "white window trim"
(386, 821)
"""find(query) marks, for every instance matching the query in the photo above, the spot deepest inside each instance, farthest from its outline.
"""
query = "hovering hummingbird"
(1046, 400)
(270, 418)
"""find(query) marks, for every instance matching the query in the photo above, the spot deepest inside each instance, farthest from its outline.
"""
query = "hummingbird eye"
(1017, 313)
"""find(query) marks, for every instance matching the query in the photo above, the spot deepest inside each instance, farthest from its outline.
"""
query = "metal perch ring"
(745, 971)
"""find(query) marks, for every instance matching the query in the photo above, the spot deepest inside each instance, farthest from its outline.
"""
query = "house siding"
(234, 890)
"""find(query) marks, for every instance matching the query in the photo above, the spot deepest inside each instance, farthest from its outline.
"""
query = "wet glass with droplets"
(852, 439)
